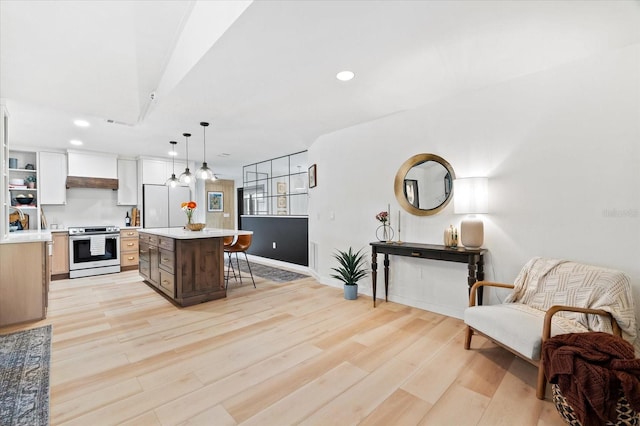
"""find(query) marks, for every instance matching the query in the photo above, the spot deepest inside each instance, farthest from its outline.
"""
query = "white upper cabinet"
(154, 171)
(127, 182)
(158, 171)
(90, 164)
(52, 178)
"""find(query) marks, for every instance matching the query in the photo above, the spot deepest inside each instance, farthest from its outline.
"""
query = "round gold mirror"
(424, 184)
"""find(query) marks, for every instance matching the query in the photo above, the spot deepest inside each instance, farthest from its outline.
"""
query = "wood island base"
(186, 271)
(187, 267)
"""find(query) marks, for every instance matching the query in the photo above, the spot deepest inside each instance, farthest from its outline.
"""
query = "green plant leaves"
(351, 266)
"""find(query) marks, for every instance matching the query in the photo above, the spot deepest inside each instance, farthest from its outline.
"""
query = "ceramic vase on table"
(451, 237)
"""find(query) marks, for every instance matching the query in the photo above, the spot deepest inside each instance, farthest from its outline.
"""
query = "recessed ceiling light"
(75, 142)
(174, 153)
(345, 75)
(81, 123)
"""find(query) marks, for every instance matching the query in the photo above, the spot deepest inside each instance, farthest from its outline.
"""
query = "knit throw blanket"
(592, 370)
(543, 283)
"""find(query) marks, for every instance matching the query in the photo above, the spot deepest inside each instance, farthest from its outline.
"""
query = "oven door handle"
(88, 237)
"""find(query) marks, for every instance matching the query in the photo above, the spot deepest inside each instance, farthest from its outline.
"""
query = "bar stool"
(227, 242)
(241, 245)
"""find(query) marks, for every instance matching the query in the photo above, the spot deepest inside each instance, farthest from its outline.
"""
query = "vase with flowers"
(384, 233)
(189, 207)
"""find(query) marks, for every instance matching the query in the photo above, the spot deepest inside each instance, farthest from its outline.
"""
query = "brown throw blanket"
(592, 370)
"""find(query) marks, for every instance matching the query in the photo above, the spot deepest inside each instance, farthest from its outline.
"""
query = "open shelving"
(27, 166)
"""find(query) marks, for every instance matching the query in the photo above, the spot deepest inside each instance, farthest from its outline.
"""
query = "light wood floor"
(292, 353)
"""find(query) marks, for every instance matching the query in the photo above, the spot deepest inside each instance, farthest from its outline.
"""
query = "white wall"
(561, 149)
(88, 206)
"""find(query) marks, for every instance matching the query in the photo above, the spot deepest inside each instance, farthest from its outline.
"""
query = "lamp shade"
(186, 177)
(173, 181)
(204, 172)
(471, 195)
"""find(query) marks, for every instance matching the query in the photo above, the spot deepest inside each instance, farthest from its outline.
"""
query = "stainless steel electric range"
(93, 250)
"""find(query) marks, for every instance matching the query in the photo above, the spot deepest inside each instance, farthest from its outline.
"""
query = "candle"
(398, 221)
(389, 213)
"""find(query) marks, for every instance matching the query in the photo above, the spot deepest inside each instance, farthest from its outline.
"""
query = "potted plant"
(30, 181)
(351, 269)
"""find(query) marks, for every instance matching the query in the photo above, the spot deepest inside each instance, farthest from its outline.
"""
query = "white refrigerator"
(161, 206)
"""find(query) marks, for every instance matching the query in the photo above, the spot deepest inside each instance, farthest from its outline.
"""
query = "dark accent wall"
(240, 209)
(291, 235)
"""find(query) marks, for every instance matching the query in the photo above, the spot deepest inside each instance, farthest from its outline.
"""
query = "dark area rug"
(24, 377)
(267, 272)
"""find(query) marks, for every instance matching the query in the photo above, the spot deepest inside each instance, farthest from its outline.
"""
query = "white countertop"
(27, 237)
(185, 234)
(122, 228)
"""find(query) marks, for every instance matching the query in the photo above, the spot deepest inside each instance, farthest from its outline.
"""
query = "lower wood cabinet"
(167, 283)
(60, 255)
(188, 271)
(143, 269)
(128, 249)
(148, 258)
(166, 262)
(24, 286)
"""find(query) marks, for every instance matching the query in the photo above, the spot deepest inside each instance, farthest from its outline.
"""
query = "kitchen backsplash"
(85, 207)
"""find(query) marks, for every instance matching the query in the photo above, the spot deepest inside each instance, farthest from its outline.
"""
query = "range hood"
(91, 182)
(87, 169)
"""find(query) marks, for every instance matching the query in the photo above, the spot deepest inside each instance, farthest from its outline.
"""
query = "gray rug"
(24, 374)
(267, 272)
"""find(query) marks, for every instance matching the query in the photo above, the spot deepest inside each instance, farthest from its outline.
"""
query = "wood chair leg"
(541, 387)
(467, 338)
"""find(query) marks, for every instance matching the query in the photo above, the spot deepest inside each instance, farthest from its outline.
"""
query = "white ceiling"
(263, 72)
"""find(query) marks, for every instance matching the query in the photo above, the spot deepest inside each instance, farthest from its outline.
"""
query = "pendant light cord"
(187, 143)
(204, 143)
(173, 158)
(204, 172)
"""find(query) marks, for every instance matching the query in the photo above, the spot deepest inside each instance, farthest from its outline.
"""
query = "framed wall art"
(312, 176)
(215, 201)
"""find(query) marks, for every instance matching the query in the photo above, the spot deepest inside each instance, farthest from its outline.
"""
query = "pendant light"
(173, 180)
(204, 172)
(186, 177)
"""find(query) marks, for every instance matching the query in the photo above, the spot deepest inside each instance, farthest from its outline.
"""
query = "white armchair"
(553, 297)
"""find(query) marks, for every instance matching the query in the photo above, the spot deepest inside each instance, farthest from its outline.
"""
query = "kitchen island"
(185, 266)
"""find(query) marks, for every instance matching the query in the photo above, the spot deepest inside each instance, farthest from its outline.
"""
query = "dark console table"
(474, 258)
